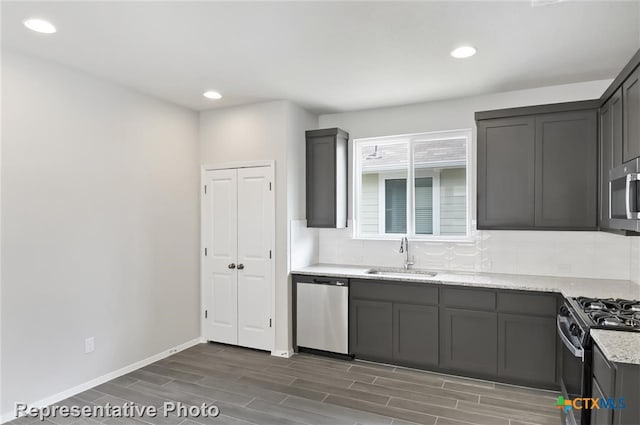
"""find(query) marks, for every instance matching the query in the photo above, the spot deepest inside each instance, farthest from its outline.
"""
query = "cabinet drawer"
(468, 298)
(403, 292)
(527, 303)
(603, 372)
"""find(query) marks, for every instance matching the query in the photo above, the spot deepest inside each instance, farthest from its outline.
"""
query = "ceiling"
(329, 56)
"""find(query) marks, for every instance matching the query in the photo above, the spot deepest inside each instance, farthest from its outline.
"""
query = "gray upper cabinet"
(566, 170)
(631, 119)
(538, 167)
(610, 150)
(506, 149)
(326, 178)
(606, 163)
(617, 112)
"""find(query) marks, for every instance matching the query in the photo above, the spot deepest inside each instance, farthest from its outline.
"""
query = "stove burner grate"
(612, 313)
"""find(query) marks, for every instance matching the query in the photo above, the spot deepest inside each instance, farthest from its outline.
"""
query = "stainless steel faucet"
(404, 247)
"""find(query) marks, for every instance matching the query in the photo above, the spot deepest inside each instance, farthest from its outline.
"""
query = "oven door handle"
(576, 351)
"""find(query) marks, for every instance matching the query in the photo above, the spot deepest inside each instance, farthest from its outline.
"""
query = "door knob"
(232, 266)
(240, 266)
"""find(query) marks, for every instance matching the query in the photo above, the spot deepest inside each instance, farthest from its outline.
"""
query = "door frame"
(270, 164)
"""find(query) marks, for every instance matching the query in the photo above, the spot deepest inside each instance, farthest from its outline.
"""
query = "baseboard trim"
(9, 416)
(285, 354)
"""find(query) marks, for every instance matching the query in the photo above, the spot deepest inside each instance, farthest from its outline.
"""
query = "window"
(416, 185)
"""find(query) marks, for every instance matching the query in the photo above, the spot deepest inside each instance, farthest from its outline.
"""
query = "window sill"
(443, 239)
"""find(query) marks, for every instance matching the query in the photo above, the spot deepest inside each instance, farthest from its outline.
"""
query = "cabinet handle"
(240, 266)
(232, 266)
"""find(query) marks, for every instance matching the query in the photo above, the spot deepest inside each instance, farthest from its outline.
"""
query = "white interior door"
(219, 227)
(238, 230)
(255, 233)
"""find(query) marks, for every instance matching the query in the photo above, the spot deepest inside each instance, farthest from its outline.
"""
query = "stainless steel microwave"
(624, 196)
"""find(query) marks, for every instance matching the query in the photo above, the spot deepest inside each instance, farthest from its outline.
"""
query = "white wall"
(302, 246)
(100, 230)
(265, 131)
(586, 254)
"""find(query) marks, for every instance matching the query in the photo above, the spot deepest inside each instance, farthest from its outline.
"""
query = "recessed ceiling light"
(536, 3)
(463, 52)
(40, 25)
(212, 95)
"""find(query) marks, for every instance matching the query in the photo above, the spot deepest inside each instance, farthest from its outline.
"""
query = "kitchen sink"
(400, 271)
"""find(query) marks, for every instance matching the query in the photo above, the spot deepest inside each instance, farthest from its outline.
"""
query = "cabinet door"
(506, 150)
(617, 128)
(610, 150)
(527, 348)
(469, 340)
(600, 416)
(566, 170)
(606, 163)
(631, 119)
(321, 181)
(415, 334)
(370, 329)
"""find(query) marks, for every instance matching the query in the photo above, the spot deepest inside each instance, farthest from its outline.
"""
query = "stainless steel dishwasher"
(322, 314)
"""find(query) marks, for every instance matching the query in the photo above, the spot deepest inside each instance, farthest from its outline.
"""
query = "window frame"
(410, 174)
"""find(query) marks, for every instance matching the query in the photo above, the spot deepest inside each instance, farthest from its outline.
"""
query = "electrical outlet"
(89, 345)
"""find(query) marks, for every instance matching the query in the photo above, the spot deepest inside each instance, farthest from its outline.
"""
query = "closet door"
(255, 227)
(220, 237)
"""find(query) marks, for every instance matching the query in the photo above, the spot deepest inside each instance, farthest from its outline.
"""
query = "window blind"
(424, 205)
(395, 205)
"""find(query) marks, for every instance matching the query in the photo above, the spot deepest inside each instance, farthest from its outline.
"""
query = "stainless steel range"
(616, 314)
(577, 316)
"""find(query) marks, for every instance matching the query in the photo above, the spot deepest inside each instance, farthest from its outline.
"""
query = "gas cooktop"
(610, 313)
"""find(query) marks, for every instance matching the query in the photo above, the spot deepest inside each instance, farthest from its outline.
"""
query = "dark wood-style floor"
(252, 387)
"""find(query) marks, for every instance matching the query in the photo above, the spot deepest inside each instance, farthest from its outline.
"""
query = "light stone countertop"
(567, 286)
(618, 346)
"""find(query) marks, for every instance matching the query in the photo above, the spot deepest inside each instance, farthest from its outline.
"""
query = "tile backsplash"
(635, 260)
(303, 244)
(572, 254)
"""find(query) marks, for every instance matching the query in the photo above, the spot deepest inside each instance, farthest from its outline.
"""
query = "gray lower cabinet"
(504, 335)
(394, 322)
(617, 385)
(600, 416)
(371, 329)
(415, 334)
(527, 348)
(469, 340)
